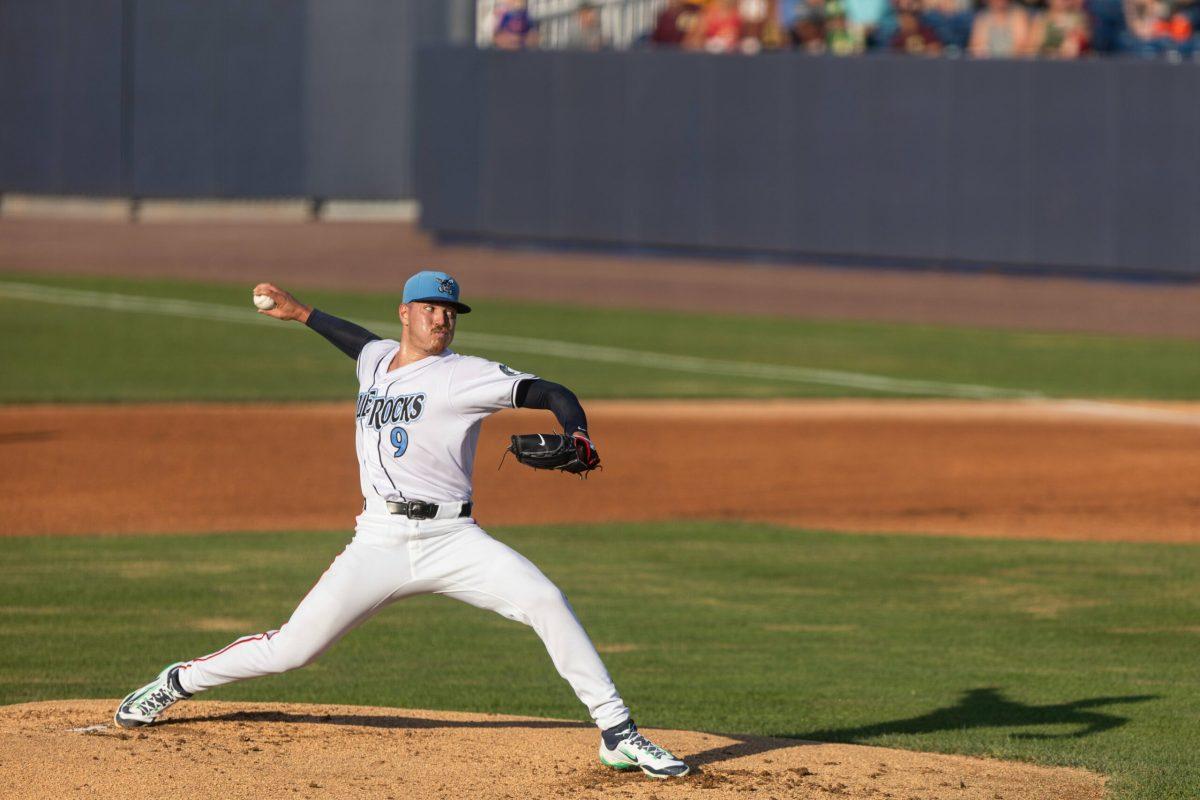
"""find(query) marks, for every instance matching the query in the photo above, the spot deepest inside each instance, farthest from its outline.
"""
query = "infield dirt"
(261, 750)
(1019, 470)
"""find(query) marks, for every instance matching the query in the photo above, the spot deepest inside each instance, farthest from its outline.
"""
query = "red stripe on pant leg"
(269, 634)
(243, 640)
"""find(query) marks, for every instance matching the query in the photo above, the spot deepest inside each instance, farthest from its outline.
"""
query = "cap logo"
(446, 286)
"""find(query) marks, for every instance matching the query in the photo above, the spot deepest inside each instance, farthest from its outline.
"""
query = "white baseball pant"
(392, 557)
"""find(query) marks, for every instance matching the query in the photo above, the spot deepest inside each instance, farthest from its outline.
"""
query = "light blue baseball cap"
(429, 286)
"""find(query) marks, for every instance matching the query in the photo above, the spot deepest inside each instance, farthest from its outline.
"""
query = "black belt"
(419, 509)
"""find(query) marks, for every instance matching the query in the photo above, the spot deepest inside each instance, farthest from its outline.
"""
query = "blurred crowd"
(1064, 29)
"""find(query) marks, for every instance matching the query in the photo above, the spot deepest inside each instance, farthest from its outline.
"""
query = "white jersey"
(417, 426)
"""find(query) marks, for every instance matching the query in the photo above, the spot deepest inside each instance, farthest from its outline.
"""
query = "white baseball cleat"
(623, 747)
(142, 706)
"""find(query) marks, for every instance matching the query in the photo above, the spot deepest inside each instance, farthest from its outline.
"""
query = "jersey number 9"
(399, 440)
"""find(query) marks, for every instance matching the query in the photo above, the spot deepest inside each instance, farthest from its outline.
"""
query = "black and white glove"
(575, 454)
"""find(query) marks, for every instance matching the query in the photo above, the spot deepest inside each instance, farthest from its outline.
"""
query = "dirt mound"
(1070, 470)
(268, 750)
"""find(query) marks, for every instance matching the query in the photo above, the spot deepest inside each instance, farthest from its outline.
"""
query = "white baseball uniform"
(417, 427)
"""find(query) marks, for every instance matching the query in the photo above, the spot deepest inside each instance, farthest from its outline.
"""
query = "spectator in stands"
(1155, 27)
(913, 36)
(720, 29)
(805, 23)
(760, 25)
(676, 23)
(516, 30)
(808, 34)
(1107, 19)
(951, 22)
(840, 38)
(1177, 28)
(1141, 17)
(1000, 30)
(586, 33)
(869, 21)
(1063, 30)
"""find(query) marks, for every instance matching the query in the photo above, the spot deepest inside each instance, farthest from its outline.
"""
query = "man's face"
(429, 326)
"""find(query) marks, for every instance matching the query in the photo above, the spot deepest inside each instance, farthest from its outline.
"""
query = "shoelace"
(157, 700)
(637, 740)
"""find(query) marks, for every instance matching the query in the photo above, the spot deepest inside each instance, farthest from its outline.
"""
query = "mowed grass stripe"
(178, 307)
(1071, 654)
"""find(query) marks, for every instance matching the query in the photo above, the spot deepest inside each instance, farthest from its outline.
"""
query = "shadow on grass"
(989, 708)
(978, 708)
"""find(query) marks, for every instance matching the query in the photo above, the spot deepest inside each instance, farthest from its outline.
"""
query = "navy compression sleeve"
(345, 336)
(555, 397)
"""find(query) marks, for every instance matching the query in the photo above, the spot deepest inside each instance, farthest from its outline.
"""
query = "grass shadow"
(985, 707)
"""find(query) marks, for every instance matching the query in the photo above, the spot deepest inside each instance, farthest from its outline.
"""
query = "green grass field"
(1057, 653)
(1072, 654)
(76, 353)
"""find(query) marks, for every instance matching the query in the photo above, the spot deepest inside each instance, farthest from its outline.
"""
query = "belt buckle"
(419, 509)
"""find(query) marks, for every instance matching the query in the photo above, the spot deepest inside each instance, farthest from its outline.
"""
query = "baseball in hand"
(264, 301)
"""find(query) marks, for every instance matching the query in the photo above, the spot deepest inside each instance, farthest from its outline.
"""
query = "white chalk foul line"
(519, 344)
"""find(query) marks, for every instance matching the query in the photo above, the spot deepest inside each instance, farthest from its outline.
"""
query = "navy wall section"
(212, 98)
(360, 79)
(60, 96)
(449, 148)
(218, 98)
(1085, 165)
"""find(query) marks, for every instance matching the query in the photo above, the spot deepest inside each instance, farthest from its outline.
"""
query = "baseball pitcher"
(419, 409)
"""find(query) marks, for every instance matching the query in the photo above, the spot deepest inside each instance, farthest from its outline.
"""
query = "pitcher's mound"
(271, 750)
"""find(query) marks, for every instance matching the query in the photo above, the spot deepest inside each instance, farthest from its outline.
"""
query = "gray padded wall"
(60, 96)
(1157, 191)
(447, 147)
(217, 98)
(214, 98)
(360, 77)
(1087, 165)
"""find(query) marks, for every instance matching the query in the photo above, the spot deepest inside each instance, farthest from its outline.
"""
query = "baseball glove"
(574, 454)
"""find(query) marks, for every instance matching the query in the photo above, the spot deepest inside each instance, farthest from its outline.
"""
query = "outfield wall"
(213, 98)
(1089, 165)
